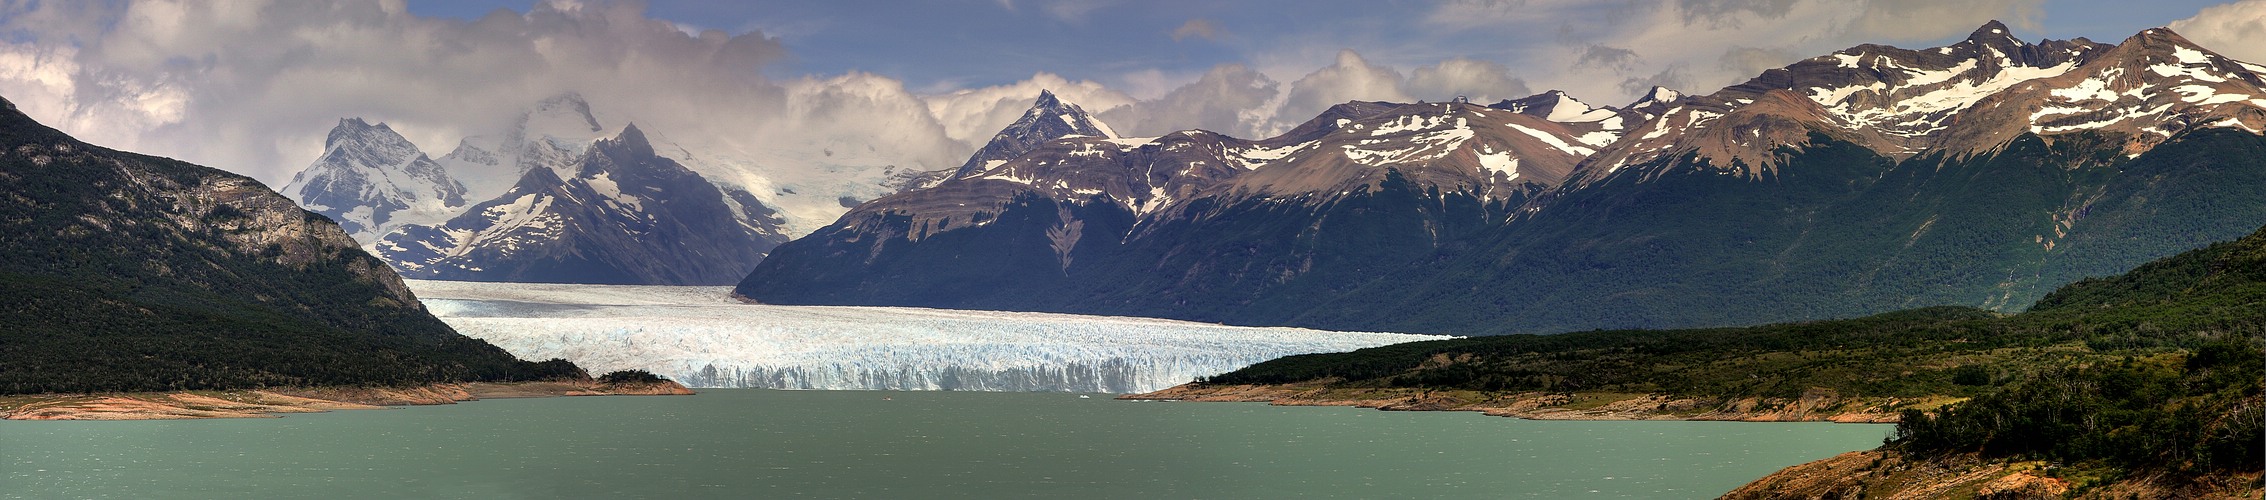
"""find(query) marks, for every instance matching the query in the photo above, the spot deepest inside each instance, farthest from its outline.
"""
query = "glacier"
(703, 337)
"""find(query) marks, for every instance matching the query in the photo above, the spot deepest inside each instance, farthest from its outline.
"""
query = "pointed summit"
(1660, 95)
(1048, 119)
(350, 130)
(1555, 105)
(366, 174)
(1996, 35)
(631, 140)
(1991, 30)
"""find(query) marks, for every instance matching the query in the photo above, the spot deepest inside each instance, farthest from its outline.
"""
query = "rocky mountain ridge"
(129, 272)
(507, 192)
(1871, 179)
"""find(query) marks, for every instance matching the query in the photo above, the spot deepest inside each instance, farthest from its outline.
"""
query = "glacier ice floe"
(704, 338)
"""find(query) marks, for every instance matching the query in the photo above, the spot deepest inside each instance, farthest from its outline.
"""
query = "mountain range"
(128, 272)
(1982, 173)
(555, 198)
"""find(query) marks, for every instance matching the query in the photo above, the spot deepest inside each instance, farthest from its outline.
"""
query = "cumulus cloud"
(1352, 78)
(1481, 81)
(973, 115)
(1231, 99)
(1609, 50)
(252, 87)
(2236, 30)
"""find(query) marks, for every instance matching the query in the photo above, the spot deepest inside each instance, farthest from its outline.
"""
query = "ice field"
(704, 338)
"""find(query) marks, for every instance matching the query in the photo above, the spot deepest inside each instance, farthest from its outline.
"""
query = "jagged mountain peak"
(1557, 106)
(1049, 118)
(369, 176)
(625, 216)
(1897, 102)
(1074, 118)
(1993, 32)
(1658, 95)
(631, 141)
(356, 129)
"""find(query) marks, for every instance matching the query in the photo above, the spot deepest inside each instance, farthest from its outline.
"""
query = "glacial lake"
(751, 443)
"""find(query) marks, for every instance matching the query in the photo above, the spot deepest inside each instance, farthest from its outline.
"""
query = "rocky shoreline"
(1875, 473)
(273, 402)
(1817, 405)
(1888, 474)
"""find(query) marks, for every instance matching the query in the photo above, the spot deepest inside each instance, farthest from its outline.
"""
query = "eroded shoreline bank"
(1817, 405)
(275, 402)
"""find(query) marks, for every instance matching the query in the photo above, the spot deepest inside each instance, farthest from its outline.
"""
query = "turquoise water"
(819, 444)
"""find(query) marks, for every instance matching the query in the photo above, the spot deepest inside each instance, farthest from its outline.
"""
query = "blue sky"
(943, 45)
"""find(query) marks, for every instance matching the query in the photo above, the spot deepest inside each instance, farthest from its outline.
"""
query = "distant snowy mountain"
(370, 179)
(484, 211)
(1982, 173)
(552, 134)
(1962, 99)
(622, 215)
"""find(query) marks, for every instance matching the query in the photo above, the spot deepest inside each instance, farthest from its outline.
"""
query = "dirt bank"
(270, 403)
(1817, 405)
(1889, 475)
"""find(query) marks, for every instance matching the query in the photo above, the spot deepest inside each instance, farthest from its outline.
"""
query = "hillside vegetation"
(126, 272)
(2159, 369)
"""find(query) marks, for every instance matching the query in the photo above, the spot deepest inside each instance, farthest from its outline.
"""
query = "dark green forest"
(125, 272)
(2161, 367)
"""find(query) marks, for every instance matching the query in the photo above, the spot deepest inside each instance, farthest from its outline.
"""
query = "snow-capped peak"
(1658, 95)
(1048, 119)
(1994, 33)
(369, 178)
(1557, 106)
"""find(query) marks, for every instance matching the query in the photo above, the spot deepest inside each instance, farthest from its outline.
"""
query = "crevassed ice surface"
(702, 337)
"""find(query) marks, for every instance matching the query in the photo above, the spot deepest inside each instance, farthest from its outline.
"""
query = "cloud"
(1471, 14)
(1600, 56)
(971, 116)
(1754, 61)
(1481, 81)
(1198, 28)
(1614, 50)
(2236, 30)
(1231, 99)
(1673, 78)
(1732, 13)
(1066, 10)
(1351, 79)
(253, 87)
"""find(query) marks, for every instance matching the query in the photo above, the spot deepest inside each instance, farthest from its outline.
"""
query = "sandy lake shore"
(274, 402)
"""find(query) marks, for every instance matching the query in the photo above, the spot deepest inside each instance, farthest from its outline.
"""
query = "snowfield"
(704, 338)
